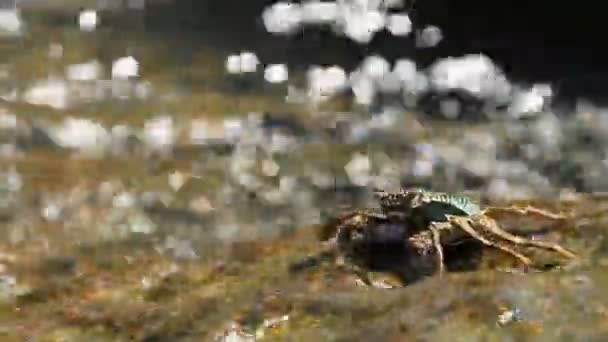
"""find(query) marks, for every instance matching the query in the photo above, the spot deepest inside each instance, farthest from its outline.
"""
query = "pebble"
(176, 180)
(124, 200)
(140, 223)
(528, 103)
(8, 121)
(288, 184)
(249, 62)
(430, 36)
(450, 108)
(87, 20)
(52, 212)
(399, 25)
(270, 168)
(10, 21)
(125, 67)
(282, 17)
(276, 73)
(52, 92)
(324, 83)
(181, 249)
(233, 64)
(498, 189)
(201, 205)
(359, 169)
(362, 26)
(319, 12)
(509, 316)
(363, 88)
(55, 50)
(159, 133)
(375, 67)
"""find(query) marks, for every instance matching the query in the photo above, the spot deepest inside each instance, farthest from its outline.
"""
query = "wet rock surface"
(145, 287)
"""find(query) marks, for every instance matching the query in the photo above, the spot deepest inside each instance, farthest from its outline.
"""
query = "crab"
(358, 237)
(445, 219)
(423, 223)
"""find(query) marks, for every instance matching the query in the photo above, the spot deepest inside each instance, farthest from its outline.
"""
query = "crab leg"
(492, 226)
(524, 212)
(328, 252)
(438, 248)
(463, 223)
(360, 272)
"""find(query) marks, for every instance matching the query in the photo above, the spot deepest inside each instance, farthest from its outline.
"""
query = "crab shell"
(434, 206)
(421, 207)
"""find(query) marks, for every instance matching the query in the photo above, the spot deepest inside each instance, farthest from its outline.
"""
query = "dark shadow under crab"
(388, 248)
